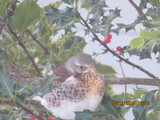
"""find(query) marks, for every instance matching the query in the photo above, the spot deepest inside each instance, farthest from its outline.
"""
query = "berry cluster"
(32, 117)
(108, 40)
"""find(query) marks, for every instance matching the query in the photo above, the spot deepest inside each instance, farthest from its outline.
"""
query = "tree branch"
(38, 42)
(9, 13)
(140, 12)
(114, 53)
(26, 51)
(29, 111)
(136, 81)
(25, 75)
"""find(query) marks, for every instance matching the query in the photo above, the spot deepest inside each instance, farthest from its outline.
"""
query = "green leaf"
(62, 18)
(156, 49)
(139, 92)
(85, 115)
(68, 1)
(137, 43)
(7, 117)
(149, 35)
(158, 59)
(143, 4)
(145, 54)
(140, 111)
(110, 108)
(133, 52)
(94, 3)
(150, 96)
(27, 12)
(106, 70)
(89, 115)
(71, 40)
(6, 82)
(45, 86)
(3, 55)
(3, 8)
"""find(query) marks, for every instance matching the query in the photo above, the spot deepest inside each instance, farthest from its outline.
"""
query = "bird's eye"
(82, 67)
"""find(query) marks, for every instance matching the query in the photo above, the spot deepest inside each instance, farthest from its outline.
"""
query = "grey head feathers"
(79, 63)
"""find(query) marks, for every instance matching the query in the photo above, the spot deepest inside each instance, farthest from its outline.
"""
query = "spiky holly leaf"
(145, 54)
(3, 55)
(63, 18)
(106, 70)
(68, 1)
(140, 111)
(27, 12)
(158, 59)
(71, 40)
(156, 49)
(143, 4)
(115, 110)
(6, 82)
(137, 43)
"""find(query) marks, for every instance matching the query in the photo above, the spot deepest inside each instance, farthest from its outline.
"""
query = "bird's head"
(81, 63)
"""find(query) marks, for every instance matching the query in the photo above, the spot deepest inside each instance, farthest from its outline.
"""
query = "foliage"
(46, 35)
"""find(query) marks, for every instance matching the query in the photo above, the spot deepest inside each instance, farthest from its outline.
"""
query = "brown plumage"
(84, 89)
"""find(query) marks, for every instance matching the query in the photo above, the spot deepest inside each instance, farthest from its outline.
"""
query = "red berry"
(32, 117)
(43, 118)
(50, 119)
(107, 40)
(109, 36)
(119, 48)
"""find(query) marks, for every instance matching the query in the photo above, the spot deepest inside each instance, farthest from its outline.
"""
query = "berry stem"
(114, 53)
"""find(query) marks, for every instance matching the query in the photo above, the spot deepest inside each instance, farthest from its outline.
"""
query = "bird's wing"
(71, 90)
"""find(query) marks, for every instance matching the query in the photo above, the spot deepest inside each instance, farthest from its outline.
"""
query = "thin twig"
(125, 92)
(140, 12)
(38, 42)
(114, 53)
(9, 13)
(26, 51)
(29, 111)
(134, 81)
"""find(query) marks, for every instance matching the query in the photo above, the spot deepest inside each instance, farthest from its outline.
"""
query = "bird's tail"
(37, 98)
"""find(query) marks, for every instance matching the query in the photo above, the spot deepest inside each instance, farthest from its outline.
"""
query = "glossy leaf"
(85, 115)
(145, 54)
(25, 14)
(149, 35)
(45, 86)
(140, 111)
(6, 82)
(139, 92)
(149, 96)
(3, 8)
(115, 110)
(143, 4)
(106, 70)
(3, 55)
(137, 43)
(156, 49)
(62, 18)
(158, 59)
(71, 40)
(68, 1)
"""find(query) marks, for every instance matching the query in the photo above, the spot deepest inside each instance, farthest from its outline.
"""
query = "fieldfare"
(83, 89)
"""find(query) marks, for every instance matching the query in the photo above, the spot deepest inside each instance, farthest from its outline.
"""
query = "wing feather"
(72, 90)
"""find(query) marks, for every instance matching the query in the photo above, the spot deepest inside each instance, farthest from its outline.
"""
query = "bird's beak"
(93, 66)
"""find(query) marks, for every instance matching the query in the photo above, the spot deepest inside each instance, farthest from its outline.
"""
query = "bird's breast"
(94, 83)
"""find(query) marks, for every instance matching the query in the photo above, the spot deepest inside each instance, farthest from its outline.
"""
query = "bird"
(83, 89)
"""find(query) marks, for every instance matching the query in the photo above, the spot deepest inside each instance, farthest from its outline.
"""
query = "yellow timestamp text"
(130, 102)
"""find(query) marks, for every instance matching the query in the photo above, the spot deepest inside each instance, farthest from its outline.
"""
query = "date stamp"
(130, 102)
